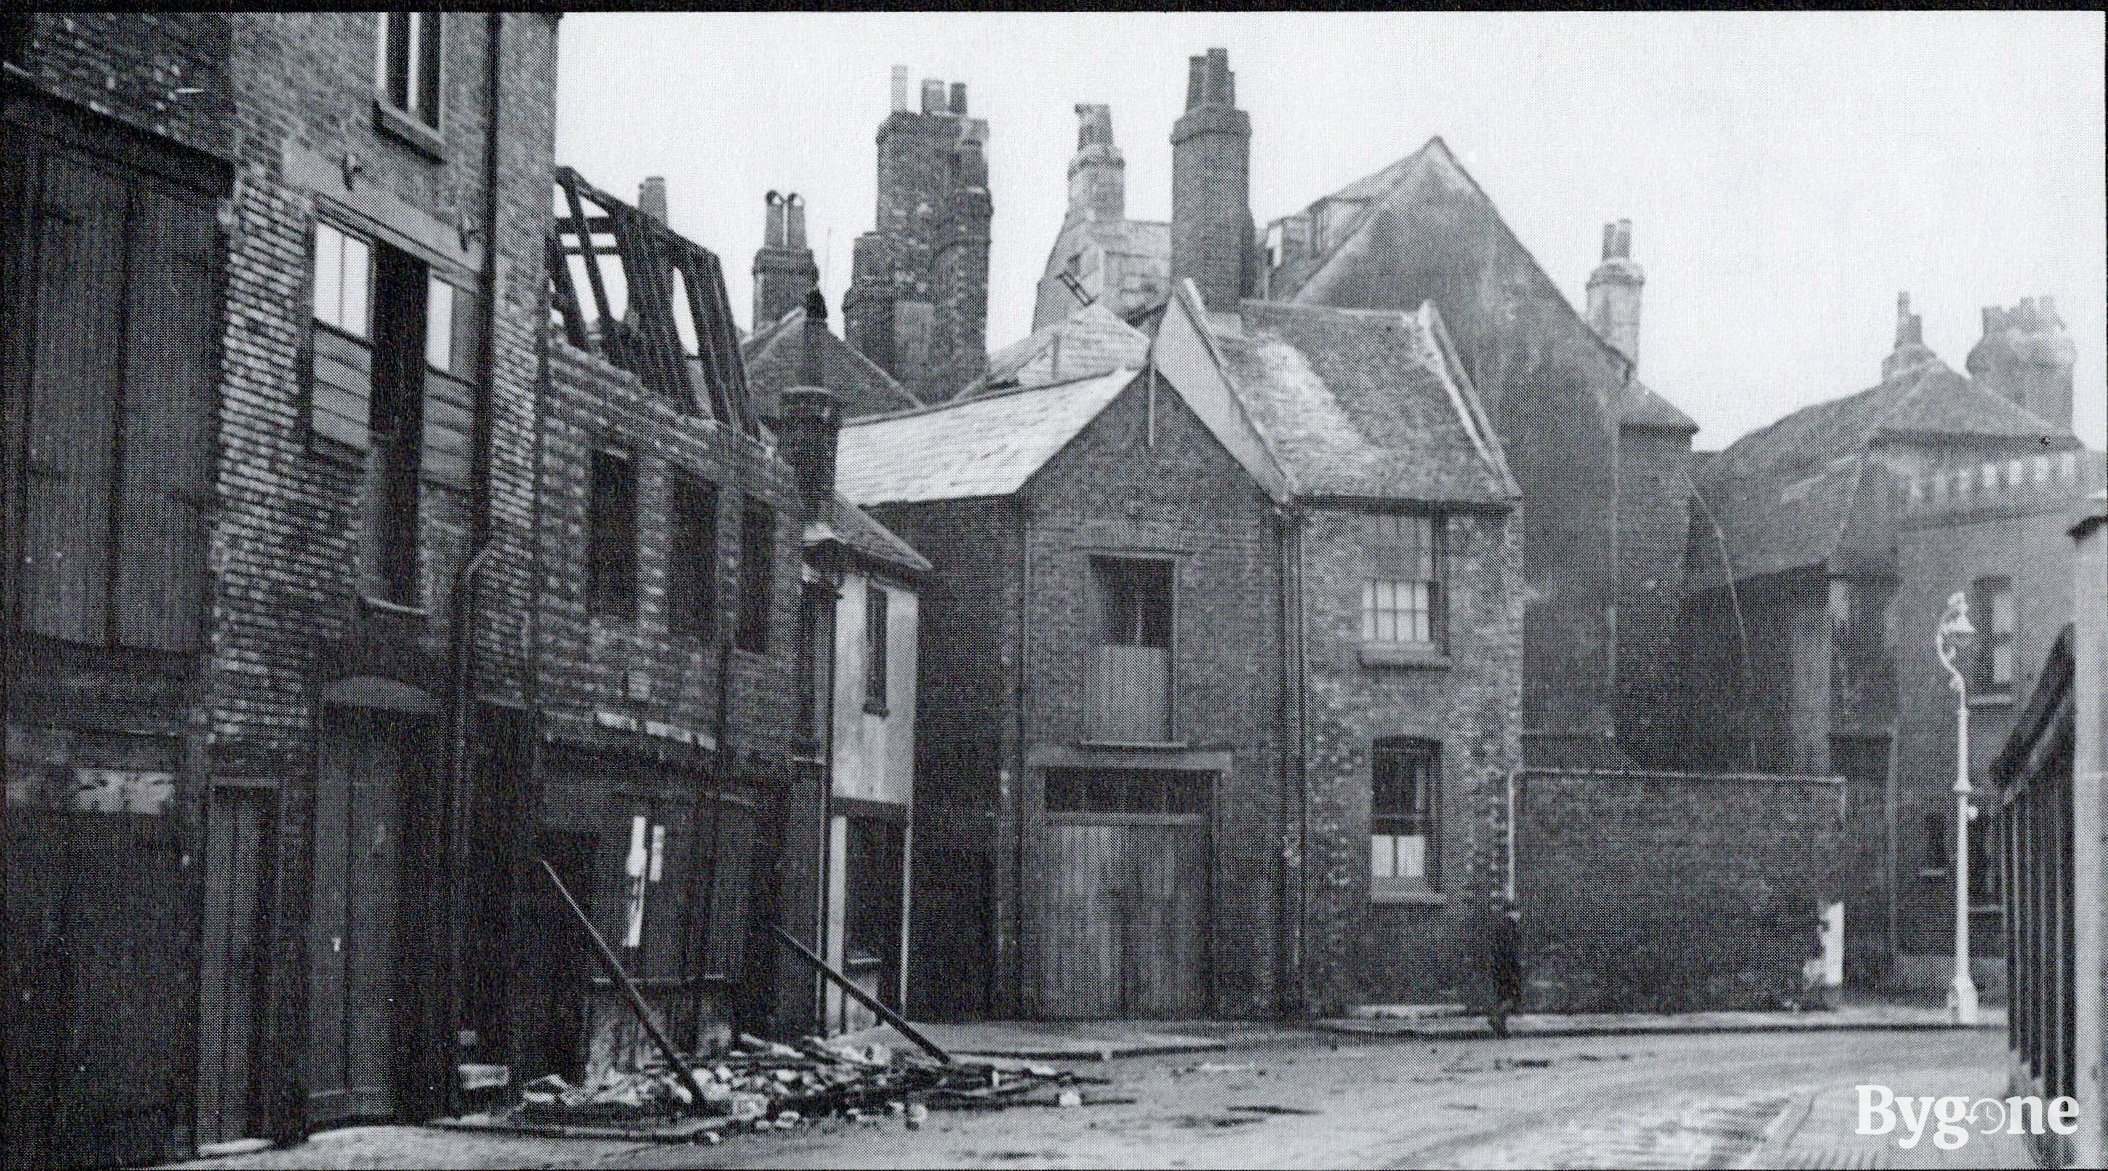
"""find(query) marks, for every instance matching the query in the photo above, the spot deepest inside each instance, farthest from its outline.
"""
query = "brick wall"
(1360, 950)
(164, 73)
(933, 215)
(1671, 891)
(1654, 521)
(1109, 492)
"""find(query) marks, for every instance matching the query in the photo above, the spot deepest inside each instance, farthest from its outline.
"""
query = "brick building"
(272, 301)
(1601, 458)
(918, 295)
(1822, 549)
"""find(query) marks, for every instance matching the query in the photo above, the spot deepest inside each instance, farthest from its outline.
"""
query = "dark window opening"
(1404, 805)
(408, 65)
(691, 556)
(875, 648)
(1136, 597)
(1993, 613)
(395, 425)
(611, 537)
(1938, 857)
(813, 664)
(757, 548)
(1173, 792)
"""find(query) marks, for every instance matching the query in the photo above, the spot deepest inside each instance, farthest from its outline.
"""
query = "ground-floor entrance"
(1118, 895)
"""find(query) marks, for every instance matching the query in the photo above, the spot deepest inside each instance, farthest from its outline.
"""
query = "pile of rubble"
(774, 1086)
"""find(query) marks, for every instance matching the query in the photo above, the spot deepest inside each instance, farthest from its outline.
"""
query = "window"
(1401, 601)
(1403, 809)
(395, 428)
(1937, 856)
(611, 536)
(691, 555)
(1148, 792)
(874, 648)
(1995, 620)
(1136, 599)
(1128, 675)
(343, 280)
(439, 326)
(757, 547)
(815, 602)
(407, 64)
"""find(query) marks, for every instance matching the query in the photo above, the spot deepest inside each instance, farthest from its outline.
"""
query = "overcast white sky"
(1786, 173)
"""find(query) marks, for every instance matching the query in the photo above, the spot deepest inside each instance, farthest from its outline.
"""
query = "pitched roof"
(856, 529)
(1091, 340)
(1360, 402)
(986, 446)
(1639, 406)
(1782, 495)
(775, 353)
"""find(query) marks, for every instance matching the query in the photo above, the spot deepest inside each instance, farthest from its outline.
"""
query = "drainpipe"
(463, 605)
(1302, 744)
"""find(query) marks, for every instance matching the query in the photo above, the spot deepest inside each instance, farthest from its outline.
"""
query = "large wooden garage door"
(1120, 899)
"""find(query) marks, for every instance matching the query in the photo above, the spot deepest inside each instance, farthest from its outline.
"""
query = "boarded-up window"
(1404, 809)
(611, 536)
(757, 548)
(452, 321)
(110, 389)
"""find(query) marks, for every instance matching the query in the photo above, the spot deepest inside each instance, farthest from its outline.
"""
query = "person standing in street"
(1504, 945)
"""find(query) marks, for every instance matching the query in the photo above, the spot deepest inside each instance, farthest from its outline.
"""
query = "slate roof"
(1090, 341)
(775, 353)
(1783, 495)
(1361, 403)
(856, 529)
(1639, 406)
(986, 446)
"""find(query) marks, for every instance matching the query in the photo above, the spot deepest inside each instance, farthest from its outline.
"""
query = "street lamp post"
(1951, 641)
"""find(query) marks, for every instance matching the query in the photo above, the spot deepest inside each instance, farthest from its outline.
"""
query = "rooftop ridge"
(989, 397)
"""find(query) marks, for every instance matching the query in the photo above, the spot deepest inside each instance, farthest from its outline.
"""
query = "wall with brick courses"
(1109, 492)
(1671, 891)
(164, 73)
(965, 748)
(1654, 520)
(2019, 531)
(1359, 950)
(935, 249)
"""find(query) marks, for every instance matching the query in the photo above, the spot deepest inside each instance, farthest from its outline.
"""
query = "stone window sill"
(1415, 656)
(405, 128)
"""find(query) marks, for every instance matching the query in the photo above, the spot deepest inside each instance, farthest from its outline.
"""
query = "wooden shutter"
(170, 363)
(450, 400)
(343, 392)
(75, 366)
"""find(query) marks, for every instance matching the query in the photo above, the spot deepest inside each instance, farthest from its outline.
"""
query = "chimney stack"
(2026, 357)
(1614, 293)
(809, 418)
(784, 267)
(1211, 219)
(1097, 173)
(932, 96)
(651, 198)
(959, 98)
(1910, 351)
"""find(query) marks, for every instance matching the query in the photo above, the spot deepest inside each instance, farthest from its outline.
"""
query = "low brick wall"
(1658, 891)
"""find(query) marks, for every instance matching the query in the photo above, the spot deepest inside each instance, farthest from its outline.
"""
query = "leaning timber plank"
(900, 1023)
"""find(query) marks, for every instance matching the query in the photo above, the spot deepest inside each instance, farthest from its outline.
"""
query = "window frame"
(419, 117)
(877, 646)
(1383, 554)
(1984, 595)
(611, 597)
(1420, 758)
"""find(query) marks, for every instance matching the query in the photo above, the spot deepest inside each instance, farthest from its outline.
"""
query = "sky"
(1787, 174)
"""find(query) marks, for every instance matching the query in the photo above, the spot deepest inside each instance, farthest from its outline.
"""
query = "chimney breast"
(1212, 241)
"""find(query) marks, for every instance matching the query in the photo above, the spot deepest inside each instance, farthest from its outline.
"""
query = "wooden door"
(230, 968)
(1120, 905)
(353, 941)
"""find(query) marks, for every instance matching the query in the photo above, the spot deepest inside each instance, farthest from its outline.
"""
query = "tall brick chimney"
(809, 418)
(1910, 351)
(2026, 357)
(783, 267)
(1211, 217)
(1097, 173)
(1614, 293)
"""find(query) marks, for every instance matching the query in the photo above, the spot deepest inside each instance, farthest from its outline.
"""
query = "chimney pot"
(651, 197)
(1196, 80)
(932, 96)
(900, 89)
(959, 97)
(772, 231)
(794, 222)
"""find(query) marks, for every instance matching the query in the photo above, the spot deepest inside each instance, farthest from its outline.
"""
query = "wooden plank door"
(352, 996)
(230, 968)
(1164, 967)
(77, 361)
(1083, 870)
